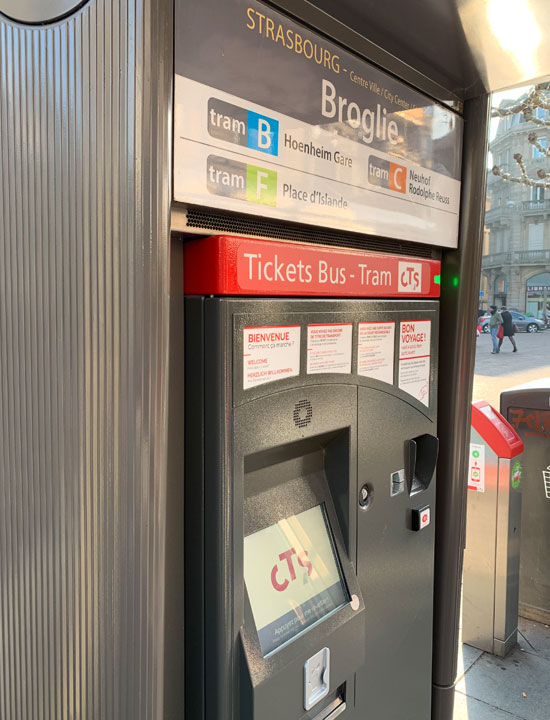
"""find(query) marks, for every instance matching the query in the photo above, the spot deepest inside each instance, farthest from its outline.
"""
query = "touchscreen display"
(292, 576)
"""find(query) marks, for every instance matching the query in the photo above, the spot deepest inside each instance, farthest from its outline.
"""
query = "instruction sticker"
(414, 359)
(516, 474)
(329, 348)
(476, 470)
(375, 350)
(270, 353)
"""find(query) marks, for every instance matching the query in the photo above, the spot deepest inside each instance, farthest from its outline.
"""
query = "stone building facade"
(516, 260)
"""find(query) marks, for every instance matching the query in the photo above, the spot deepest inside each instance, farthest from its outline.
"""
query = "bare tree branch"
(538, 97)
(533, 139)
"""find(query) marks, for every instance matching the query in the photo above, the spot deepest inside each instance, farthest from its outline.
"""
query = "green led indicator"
(437, 279)
(455, 281)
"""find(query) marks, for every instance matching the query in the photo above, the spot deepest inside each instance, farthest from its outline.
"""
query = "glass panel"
(518, 199)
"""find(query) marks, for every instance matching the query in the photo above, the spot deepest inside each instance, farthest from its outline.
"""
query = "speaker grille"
(237, 224)
(303, 413)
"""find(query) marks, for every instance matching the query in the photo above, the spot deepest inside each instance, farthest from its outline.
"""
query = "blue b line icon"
(243, 127)
(263, 133)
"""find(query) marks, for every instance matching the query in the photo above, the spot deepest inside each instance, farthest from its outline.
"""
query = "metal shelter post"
(459, 292)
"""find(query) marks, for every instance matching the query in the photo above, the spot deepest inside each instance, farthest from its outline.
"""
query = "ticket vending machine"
(311, 446)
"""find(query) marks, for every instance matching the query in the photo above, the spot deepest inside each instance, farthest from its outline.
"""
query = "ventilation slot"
(236, 224)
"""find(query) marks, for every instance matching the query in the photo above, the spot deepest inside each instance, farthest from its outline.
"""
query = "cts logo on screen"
(387, 174)
(410, 277)
(243, 127)
(281, 577)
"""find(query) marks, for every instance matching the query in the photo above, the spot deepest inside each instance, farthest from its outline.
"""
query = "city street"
(495, 373)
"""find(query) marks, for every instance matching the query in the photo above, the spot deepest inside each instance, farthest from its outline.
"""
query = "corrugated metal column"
(85, 190)
(459, 302)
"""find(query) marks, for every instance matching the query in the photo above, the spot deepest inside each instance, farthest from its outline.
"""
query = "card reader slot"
(332, 711)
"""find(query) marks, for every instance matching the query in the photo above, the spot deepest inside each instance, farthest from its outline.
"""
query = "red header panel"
(223, 265)
(499, 435)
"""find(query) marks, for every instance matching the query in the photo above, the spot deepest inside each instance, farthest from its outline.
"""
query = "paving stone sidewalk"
(513, 688)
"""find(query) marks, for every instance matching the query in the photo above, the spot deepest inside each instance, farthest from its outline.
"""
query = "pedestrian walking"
(495, 322)
(508, 328)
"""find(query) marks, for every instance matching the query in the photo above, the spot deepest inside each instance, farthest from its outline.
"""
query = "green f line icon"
(240, 181)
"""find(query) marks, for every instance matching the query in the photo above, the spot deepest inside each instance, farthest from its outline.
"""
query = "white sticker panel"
(270, 353)
(375, 350)
(476, 470)
(329, 348)
(414, 359)
(235, 154)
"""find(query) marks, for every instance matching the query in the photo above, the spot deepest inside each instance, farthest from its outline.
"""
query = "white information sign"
(270, 353)
(375, 350)
(476, 472)
(414, 359)
(273, 119)
(291, 577)
(329, 348)
(312, 178)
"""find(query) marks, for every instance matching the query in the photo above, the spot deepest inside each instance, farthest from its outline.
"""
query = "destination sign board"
(272, 119)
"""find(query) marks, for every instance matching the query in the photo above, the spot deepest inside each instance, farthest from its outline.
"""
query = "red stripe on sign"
(269, 327)
(413, 357)
(223, 265)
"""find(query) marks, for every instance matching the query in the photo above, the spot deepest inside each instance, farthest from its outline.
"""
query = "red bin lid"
(497, 432)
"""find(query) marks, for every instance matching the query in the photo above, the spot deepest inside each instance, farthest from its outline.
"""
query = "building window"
(535, 238)
(538, 294)
(505, 239)
(497, 241)
(537, 194)
(536, 152)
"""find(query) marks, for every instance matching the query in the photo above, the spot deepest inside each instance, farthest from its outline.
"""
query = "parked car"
(524, 323)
